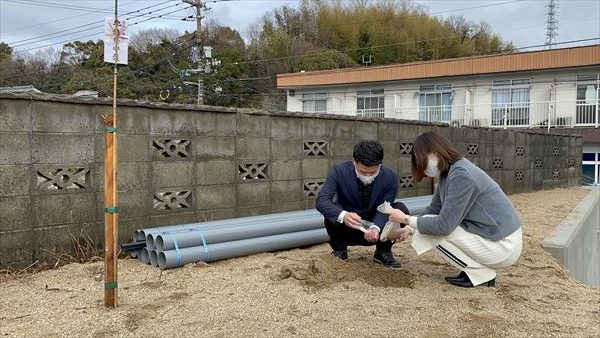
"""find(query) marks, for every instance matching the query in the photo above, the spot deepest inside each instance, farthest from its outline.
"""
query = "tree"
(5, 51)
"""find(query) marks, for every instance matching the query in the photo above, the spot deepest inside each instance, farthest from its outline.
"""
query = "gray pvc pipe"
(225, 250)
(144, 256)
(154, 257)
(143, 233)
(186, 239)
(415, 205)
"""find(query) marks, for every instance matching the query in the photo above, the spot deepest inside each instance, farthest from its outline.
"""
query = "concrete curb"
(576, 240)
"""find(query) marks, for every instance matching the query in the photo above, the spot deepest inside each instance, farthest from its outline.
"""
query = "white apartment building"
(550, 90)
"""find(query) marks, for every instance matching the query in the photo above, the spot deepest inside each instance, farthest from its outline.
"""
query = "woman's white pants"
(471, 253)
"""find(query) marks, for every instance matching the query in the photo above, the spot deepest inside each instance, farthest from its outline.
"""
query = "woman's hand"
(397, 216)
(403, 235)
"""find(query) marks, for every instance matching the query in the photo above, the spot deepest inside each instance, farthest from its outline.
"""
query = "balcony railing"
(540, 114)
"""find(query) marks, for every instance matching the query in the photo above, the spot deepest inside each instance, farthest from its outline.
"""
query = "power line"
(99, 32)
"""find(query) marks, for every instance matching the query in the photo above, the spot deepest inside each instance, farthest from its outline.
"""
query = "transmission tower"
(552, 23)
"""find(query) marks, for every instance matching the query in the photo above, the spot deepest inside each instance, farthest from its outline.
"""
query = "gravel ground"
(307, 293)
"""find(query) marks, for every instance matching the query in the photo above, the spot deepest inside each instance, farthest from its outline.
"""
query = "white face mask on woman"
(432, 169)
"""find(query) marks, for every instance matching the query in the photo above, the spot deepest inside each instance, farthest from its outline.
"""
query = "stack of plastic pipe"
(175, 246)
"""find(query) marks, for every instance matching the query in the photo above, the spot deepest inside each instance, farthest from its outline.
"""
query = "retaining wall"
(576, 241)
(182, 164)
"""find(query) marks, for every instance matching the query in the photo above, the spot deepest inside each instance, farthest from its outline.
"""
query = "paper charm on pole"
(109, 41)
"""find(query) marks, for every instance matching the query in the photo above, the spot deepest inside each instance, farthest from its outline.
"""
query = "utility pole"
(198, 52)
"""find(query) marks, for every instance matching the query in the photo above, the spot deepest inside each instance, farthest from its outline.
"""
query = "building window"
(435, 103)
(590, 169)
(314, 103)
(370, 103)
(510, 102)
(587, 99)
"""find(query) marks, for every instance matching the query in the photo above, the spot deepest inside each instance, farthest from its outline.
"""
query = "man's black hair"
(368, 153)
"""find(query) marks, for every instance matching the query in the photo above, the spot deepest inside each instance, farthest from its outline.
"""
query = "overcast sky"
(30, 24)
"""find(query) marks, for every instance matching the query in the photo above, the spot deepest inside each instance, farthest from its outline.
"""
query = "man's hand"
(372, 235)
(403, 235)
(352, 220)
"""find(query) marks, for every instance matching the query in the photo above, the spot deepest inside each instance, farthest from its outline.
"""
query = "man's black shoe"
(340, 254)
(386, 258)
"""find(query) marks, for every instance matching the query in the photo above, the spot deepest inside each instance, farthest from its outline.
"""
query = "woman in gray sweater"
(470, 221)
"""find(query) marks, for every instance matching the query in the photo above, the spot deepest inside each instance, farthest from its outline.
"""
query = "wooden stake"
(111, 211)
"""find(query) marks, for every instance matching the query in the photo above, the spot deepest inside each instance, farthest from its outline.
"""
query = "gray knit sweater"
(468, 197)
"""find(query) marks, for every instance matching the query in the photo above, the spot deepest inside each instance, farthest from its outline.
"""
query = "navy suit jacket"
(342, 184)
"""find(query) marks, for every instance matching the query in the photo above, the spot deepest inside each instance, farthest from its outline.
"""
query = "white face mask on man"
(366, 180)
(432, 169)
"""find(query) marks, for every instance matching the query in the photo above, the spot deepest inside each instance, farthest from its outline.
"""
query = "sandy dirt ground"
(307, 293)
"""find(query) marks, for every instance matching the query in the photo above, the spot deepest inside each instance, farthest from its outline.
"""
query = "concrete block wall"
(182, 164)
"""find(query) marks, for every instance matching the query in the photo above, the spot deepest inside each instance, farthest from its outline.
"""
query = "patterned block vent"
(497, 163)
(316, 148)
(406, 148)
(520, 151)
(253, 171)
(556, 151)
(519, 176)
(539, 163)
(63, 178)
(472, 149)
(174, 199)
(407, 182)
(571, 163)
(556, 174)
(170, 148)
(312, 188)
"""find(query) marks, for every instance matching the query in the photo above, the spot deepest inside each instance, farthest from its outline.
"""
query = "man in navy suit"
(350, 196)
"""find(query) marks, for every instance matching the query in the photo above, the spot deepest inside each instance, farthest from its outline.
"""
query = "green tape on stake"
(110, 286)
(110, 129)
(111, 210)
